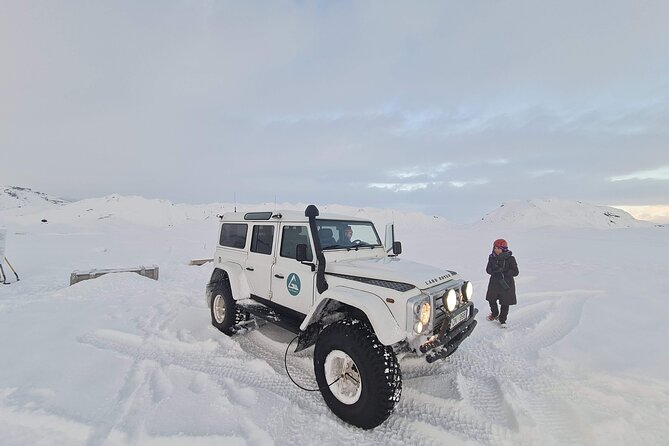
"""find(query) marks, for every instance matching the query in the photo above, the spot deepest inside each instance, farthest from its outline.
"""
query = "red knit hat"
(501, 243)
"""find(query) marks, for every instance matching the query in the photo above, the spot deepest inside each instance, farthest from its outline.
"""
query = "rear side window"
(262, 238)
(233, 235)
(293, 236)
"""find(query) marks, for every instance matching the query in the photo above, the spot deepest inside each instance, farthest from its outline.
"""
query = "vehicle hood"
(393, 269)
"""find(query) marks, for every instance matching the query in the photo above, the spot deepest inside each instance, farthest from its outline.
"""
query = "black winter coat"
(502, 269)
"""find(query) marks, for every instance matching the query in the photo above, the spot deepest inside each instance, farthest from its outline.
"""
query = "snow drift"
(560, 213)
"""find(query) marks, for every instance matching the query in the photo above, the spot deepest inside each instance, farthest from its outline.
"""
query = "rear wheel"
(359, 377)
(225, 313)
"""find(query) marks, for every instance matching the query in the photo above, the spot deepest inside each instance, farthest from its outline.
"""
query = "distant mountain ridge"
(19, 197)
(32, 207)
(23, 205)
(560, 213)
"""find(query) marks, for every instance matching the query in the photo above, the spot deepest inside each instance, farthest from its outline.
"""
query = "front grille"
(438, 294)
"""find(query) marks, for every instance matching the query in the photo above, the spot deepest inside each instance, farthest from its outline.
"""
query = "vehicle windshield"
(343, 234)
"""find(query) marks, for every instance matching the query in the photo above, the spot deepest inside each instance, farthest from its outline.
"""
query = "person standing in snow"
(502, 268)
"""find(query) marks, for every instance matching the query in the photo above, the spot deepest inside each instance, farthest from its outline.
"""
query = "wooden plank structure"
(147, 271)
(199, 262)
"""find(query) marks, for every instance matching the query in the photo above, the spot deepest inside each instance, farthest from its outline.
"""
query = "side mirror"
(301, 256)
(397, 248)
(301, 252)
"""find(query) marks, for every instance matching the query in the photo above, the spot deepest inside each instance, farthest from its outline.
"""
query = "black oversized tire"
(225, 313)
(378, 369)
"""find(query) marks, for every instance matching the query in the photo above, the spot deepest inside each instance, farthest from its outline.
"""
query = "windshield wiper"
(350, 247)
(333, 246)
(361, 245)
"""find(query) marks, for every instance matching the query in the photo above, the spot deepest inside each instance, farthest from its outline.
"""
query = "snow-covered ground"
(127, 360)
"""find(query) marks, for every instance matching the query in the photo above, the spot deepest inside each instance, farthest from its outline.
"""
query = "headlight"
(467, 290)
(451, 300)
(424, 315)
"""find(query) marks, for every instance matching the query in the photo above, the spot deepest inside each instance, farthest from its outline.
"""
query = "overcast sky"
(447, 107)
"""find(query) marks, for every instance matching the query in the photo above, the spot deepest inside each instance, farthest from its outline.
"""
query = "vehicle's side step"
(275, 317)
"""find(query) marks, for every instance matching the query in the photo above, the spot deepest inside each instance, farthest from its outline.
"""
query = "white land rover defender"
(351, 296)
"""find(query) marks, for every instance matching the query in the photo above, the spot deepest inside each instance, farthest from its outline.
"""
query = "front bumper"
(447, 341)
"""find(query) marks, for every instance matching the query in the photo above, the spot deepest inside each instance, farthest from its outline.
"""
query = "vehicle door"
(292, 281)
(261, 257)
(232, 243)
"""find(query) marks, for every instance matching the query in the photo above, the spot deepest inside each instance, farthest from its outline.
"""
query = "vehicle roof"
(291, 216)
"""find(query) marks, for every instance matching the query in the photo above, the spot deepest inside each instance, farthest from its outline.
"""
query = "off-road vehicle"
(351, 296)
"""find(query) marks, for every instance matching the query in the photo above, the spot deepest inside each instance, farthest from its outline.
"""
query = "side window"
(233, 235)
(326, 235)
(293, 236)
(262, 238)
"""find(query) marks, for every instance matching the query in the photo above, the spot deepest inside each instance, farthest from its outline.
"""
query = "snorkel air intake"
(311, 213)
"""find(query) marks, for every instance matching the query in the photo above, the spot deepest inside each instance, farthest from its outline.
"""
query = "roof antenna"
(274, 202)
(235, 198)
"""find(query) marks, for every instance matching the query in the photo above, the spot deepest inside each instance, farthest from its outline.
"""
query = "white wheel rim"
(219, 308)
(341, 368)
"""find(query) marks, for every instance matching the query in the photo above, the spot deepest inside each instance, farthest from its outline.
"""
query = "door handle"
(278, 276)
(250, 268)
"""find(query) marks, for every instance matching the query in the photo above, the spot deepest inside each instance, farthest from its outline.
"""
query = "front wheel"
(359, 377)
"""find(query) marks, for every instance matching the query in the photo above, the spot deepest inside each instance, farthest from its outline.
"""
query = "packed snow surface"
(123, 359)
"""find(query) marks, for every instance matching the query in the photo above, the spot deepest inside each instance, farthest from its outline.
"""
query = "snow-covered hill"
(25, 206)
(28, 207)
(19, 197)
(560, 214)
(135, 210)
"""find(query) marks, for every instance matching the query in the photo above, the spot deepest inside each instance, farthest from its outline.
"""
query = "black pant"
(495, 311)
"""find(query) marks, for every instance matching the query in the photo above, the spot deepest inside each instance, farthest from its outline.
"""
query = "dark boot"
(503, 314)
(494, 311)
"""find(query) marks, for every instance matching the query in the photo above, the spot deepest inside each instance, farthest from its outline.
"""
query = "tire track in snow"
(271, 351)
(492, 371)
(244, 370)
(300, 365)
(140, 388)
(301, 368)
(483, 372)
(197, 357)
(546, 400)
(305, 408)
(457, 418)
(258, 345)
(555, 323)
(492, 390)
(485, 395)
(133, 392)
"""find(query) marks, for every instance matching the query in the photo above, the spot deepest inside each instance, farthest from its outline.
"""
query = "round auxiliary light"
(451, 300)
(418, 327)
(467, 290)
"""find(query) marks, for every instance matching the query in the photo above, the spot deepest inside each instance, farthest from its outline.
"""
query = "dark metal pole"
(13, 270)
